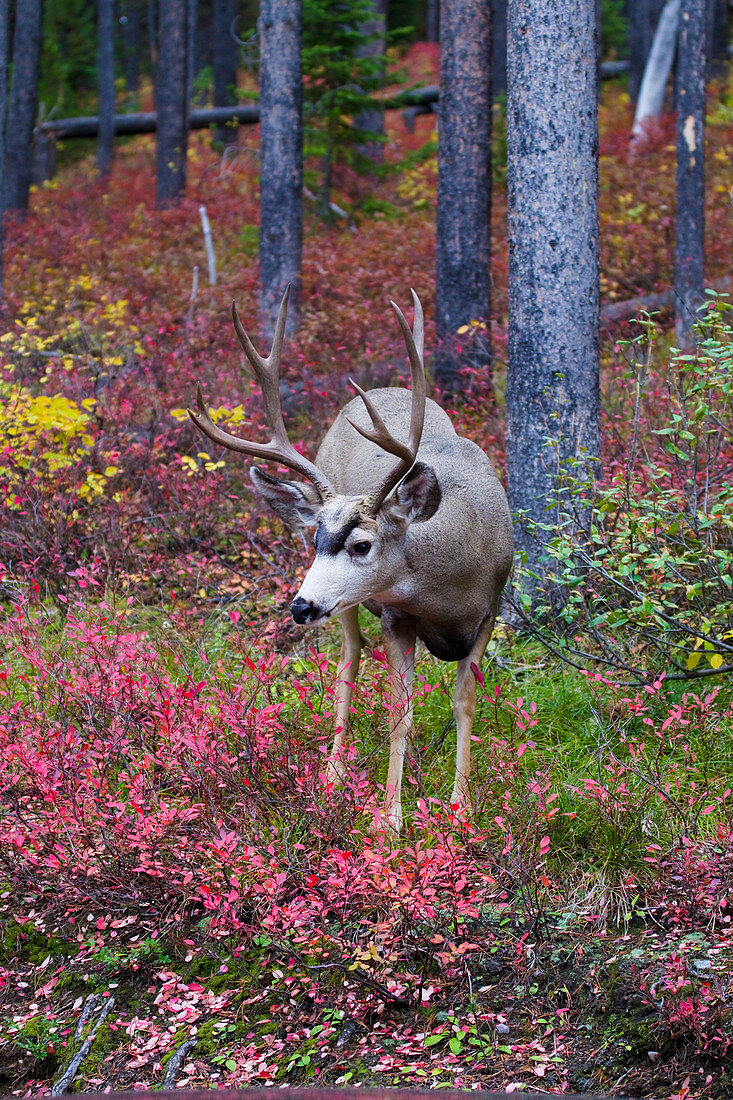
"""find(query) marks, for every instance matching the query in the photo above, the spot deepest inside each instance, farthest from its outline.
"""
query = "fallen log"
(85, 126)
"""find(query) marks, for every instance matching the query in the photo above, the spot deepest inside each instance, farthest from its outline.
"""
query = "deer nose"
(303, 611)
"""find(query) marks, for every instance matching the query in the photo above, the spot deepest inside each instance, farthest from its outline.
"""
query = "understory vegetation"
(178, 883)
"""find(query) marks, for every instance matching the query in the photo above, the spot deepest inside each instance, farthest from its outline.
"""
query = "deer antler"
(414, 339)
(279, 449)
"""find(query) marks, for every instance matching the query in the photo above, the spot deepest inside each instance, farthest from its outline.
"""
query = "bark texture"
(131, 20)
(106, 77)
(650, 101)
(718, 36)
(171, 101)
(552, 383)
(225, 63)
(22, 106)
(281, 156)
(643, 16)
(432, 20)
(463, 220)
(690, 220)
(498, 39)
(4, 29)
(371, 119)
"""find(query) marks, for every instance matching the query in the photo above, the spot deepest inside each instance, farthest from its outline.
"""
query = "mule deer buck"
(425, 544)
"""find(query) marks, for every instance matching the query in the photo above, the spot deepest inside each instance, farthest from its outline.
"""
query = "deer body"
(428, 551)
(452, 566)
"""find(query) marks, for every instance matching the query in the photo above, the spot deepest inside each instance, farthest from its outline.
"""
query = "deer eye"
(361, 548)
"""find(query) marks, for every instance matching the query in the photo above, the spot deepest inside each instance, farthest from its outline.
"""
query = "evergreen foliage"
(339, 83)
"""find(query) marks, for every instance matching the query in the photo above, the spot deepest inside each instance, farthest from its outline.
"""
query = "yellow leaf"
(715, 660)
(693, 660)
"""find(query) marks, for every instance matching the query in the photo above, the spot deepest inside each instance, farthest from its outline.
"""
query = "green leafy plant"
(341, 74)
(642, 572)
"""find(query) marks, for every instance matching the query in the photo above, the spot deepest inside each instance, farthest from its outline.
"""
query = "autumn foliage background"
(166, 836)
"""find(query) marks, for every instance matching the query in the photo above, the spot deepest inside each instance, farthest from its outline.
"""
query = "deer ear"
(416, 498)
(296, 503)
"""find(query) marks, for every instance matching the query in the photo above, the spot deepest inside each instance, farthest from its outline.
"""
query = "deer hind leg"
(346, 674)
(464, 710)
(399, 645)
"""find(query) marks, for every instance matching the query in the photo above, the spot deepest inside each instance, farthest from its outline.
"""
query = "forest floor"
(178, 883)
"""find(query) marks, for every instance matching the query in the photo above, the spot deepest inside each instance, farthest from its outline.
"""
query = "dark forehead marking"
(333, 542)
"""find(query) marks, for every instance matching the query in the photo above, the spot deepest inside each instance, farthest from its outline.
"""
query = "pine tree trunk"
(659, 62)
(131, 24)
(106, 76)
(463, 220)
(432, 21)
(192, 17)
(171, 101)
(498, 38)
(371, 119)
(23, 105)
(281, 160)
(690, 221)
(718, 37)
(553, 370)
(225, 63)
(4, 30)
(642, 23)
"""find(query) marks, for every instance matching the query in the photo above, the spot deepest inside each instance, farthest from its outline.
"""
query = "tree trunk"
(690, 245)
(131, 23)
(642, 22)
(718, 36)
(23, 104)
(152, 21)
(661, 55)
(432, 21)
(171, 101)
(371, 119)
(281, 160)
(4, 30)
(106, 77)
(553, 371)
(498, 38)
(463, 220)
(192, 14)
(225, 64)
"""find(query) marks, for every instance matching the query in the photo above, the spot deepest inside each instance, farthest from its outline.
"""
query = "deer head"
(358, 539)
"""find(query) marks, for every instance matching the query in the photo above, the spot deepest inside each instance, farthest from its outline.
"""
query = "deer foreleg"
(346, 674)
(399, 645)
(464, 711)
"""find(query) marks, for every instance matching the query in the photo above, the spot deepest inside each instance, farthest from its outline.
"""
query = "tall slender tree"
(371, 119)
(22, 107)
(226, 55)
(106, 78)
(131, 20)
(281, 160)
(498, 47)
(643, 16)
(553, 372)
(463, 222)
(171, 100)
(690, 220)
(432, 20)
(4, 30)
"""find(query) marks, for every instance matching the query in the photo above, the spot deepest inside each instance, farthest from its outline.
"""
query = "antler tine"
(414, 341)
(279, 449)
(381, 435)
(267, 370)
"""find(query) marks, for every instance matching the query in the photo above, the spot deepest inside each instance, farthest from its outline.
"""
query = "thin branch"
(73, 1068)
(175, 1062)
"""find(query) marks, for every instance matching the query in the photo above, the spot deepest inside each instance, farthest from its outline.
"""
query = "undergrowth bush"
(643, 567)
